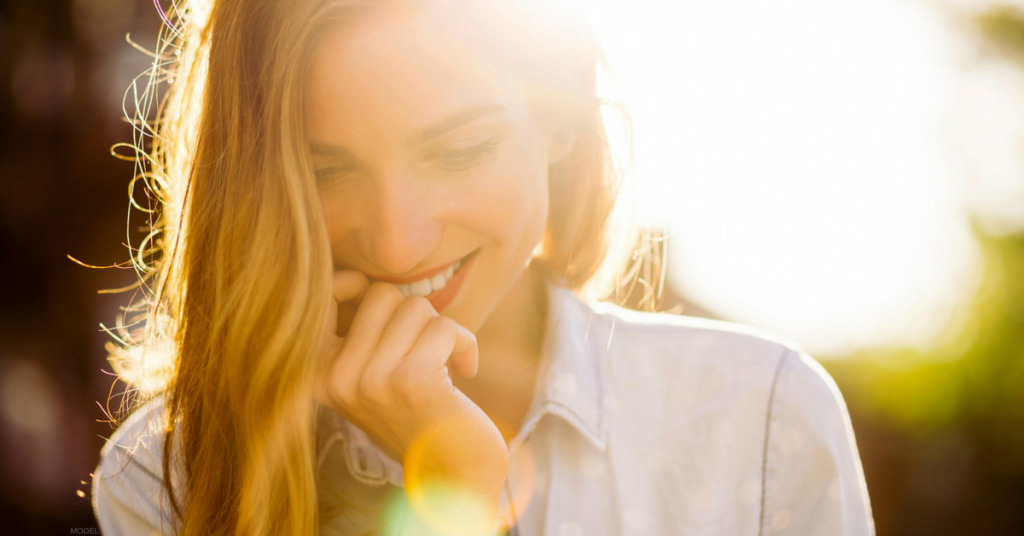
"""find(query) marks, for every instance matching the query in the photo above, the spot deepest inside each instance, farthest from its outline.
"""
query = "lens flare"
(439, 503)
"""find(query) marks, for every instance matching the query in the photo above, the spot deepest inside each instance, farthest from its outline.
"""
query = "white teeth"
(420, 288)
(424, 287)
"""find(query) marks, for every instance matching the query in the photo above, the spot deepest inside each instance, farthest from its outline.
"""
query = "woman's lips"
(444, 297)
(439, 285)
(426, 275)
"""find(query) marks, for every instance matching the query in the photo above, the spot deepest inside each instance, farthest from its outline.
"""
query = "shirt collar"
(571, 384)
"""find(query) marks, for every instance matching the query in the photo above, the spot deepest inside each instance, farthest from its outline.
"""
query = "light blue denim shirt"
(640, 424)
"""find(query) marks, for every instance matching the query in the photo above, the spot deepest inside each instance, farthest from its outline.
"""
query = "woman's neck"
(516, 327)
(510, 344)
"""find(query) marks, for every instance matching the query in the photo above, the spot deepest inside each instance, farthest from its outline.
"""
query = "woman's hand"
(387, 358)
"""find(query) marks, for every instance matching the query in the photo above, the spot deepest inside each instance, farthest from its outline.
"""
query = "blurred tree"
(977, 381)
(941, 431)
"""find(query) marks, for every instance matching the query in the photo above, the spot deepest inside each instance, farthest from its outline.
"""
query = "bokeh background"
(847, 173)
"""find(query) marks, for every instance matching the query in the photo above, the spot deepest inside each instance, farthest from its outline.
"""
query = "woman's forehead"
(401, 74)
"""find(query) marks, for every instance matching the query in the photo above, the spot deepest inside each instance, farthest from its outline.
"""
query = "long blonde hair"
(238, 267)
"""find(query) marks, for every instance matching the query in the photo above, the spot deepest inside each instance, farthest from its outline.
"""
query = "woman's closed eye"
(333, 172)
(453, 159)
(465, 157)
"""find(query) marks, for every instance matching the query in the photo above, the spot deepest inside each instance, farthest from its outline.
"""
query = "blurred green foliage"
(976, 382)
(1003, 26)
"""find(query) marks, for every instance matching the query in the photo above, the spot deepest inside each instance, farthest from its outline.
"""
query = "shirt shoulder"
(128, 494)
(690, 389)
(678, 344)
(725, 358)
(685, 380)
(813, 478)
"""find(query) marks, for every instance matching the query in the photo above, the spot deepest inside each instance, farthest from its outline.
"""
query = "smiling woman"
(378, 222)
(432, 156)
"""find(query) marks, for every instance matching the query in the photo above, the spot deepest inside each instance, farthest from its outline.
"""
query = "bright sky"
(813, 161)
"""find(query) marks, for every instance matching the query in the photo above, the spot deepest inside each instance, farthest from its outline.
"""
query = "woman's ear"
(563, 138)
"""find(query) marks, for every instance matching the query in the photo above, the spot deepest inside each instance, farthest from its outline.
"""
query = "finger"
(378, 304)
(465, 355)
(374, 313)
(441, 340)
(410, 319)
(347, 288)
(348, 285)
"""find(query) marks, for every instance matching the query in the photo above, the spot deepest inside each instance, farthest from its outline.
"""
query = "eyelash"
(453, 160)
(329, 174)
(460, 159)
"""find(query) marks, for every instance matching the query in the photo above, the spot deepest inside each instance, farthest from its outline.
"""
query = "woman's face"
(432, 167)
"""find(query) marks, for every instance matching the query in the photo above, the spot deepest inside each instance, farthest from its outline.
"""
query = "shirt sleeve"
(813, 479)
(128, 497)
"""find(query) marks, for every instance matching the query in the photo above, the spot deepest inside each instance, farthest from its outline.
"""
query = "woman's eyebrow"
(457, 119)
(327, 149)
(447, 124)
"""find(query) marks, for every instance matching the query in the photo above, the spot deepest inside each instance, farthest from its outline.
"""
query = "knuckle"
(337, 379)
(370, 388)
(341, 398)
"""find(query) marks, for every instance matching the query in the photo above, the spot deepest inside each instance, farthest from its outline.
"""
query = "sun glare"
(806, 160)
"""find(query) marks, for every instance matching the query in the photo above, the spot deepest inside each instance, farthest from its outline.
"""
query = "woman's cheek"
(334, 215)
(515, 198)
(341, 210)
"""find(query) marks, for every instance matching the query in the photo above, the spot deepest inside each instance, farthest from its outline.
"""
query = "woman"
(357, 195)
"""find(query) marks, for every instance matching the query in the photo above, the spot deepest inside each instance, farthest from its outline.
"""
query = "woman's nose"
(401, 230)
